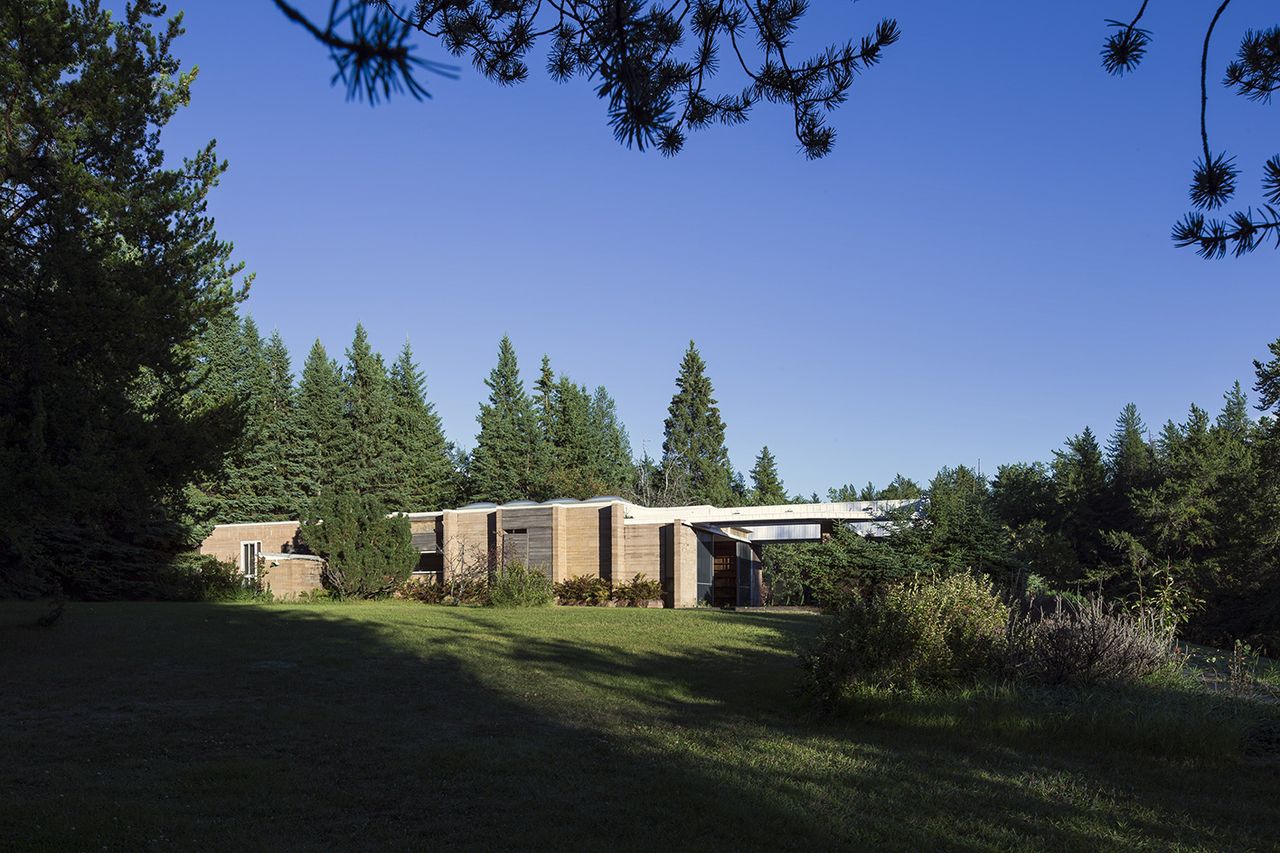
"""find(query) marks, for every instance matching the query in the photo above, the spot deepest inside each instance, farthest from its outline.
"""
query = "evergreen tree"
(900, 488)
(323, 434)
(507, 463)
(545, 389)
(1130, 468)
(281, 443)
(110, 271)
(1080, 484)
(370, 462)
(614, 465)
(218, 386)
(573, 444)
(766, 485)
(427, 474)
(694, 434)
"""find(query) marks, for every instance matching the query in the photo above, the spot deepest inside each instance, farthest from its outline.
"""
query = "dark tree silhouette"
(1254, 74)
(654, 62)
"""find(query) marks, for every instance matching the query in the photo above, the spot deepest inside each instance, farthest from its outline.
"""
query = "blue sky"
(981, 267)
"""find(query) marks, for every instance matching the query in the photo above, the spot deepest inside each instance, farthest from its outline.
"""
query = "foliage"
(509, 461)
(110, 268)
(423, 591)
(516, 585)
(323, 432)
(932, 632)
(424, 468)
(766, 485)
(203, 577)
(1255, 75)
(637, 592)
(1092, 643)
(585, 590)
(693, 445)
(652, 62)
(367, 553)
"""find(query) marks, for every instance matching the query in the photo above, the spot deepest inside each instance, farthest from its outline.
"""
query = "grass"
(398, 725)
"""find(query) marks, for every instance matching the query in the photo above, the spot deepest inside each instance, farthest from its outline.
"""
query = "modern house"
(701, 554)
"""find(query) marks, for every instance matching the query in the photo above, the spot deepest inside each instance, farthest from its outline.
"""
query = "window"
(515, 546)
(250, 555)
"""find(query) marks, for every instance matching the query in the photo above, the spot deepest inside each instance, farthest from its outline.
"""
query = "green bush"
(583, 591)
(367, 553)
(933, 632)
(518, 585)
(203, 577)
(637, 592)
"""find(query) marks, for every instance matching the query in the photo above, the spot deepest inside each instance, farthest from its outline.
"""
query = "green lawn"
(192, 726)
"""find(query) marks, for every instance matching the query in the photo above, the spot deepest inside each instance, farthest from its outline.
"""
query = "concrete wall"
(683, 586)
(277, 537)
(288, 576)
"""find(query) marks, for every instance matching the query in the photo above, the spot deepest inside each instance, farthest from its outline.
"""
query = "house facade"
(701, 554)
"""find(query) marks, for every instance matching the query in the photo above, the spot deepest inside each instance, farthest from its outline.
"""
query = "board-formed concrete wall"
(286, 575)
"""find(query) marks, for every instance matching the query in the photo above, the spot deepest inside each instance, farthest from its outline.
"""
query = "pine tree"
(323, 434)
(694, 434)
(426, 467)
(507, 463)
(766, 485)
(370, 461)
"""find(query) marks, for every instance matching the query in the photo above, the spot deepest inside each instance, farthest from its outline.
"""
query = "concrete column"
(559, 544)
(449, 543)
(684, 565)
(618, 545)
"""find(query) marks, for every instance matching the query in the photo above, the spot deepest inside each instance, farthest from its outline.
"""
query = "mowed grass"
(398, 725)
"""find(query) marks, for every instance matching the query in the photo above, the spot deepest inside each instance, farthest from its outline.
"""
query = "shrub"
(203, 577)
(925, 633)
(367, 553)
(1091, 643)
(518, 585)
(425, 591)
(637, 592)
(585, 590)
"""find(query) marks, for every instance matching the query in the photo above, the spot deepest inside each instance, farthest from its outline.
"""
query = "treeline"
(362, 427)
(1183, 521)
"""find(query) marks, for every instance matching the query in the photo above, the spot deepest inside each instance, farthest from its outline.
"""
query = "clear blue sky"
(981, 267)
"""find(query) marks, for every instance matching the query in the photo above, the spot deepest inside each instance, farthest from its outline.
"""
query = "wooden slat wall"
(536, 520)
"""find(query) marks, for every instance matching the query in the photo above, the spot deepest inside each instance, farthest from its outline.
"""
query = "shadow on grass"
(153, 726)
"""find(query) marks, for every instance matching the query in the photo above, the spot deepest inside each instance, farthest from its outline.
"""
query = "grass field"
(190, 726)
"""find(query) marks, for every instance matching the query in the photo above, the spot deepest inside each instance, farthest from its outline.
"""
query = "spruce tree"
(614, 464)
(323, 433)
(426, 467)
(1079, 477)
(766, 485)
(693, 443)
(279, 429)
(1130, 468)
(507, 463)
(218, 383)
(371, 459)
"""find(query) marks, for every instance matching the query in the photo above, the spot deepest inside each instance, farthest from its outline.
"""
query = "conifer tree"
(218, 384)
(694, 434)
(370, 461)
(427, 475)
(572, 442)
(766, 485)
(506, 464)
(323, 433)
(1079, 478)
(613, 445)
(1130, 468)
(281, 446)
